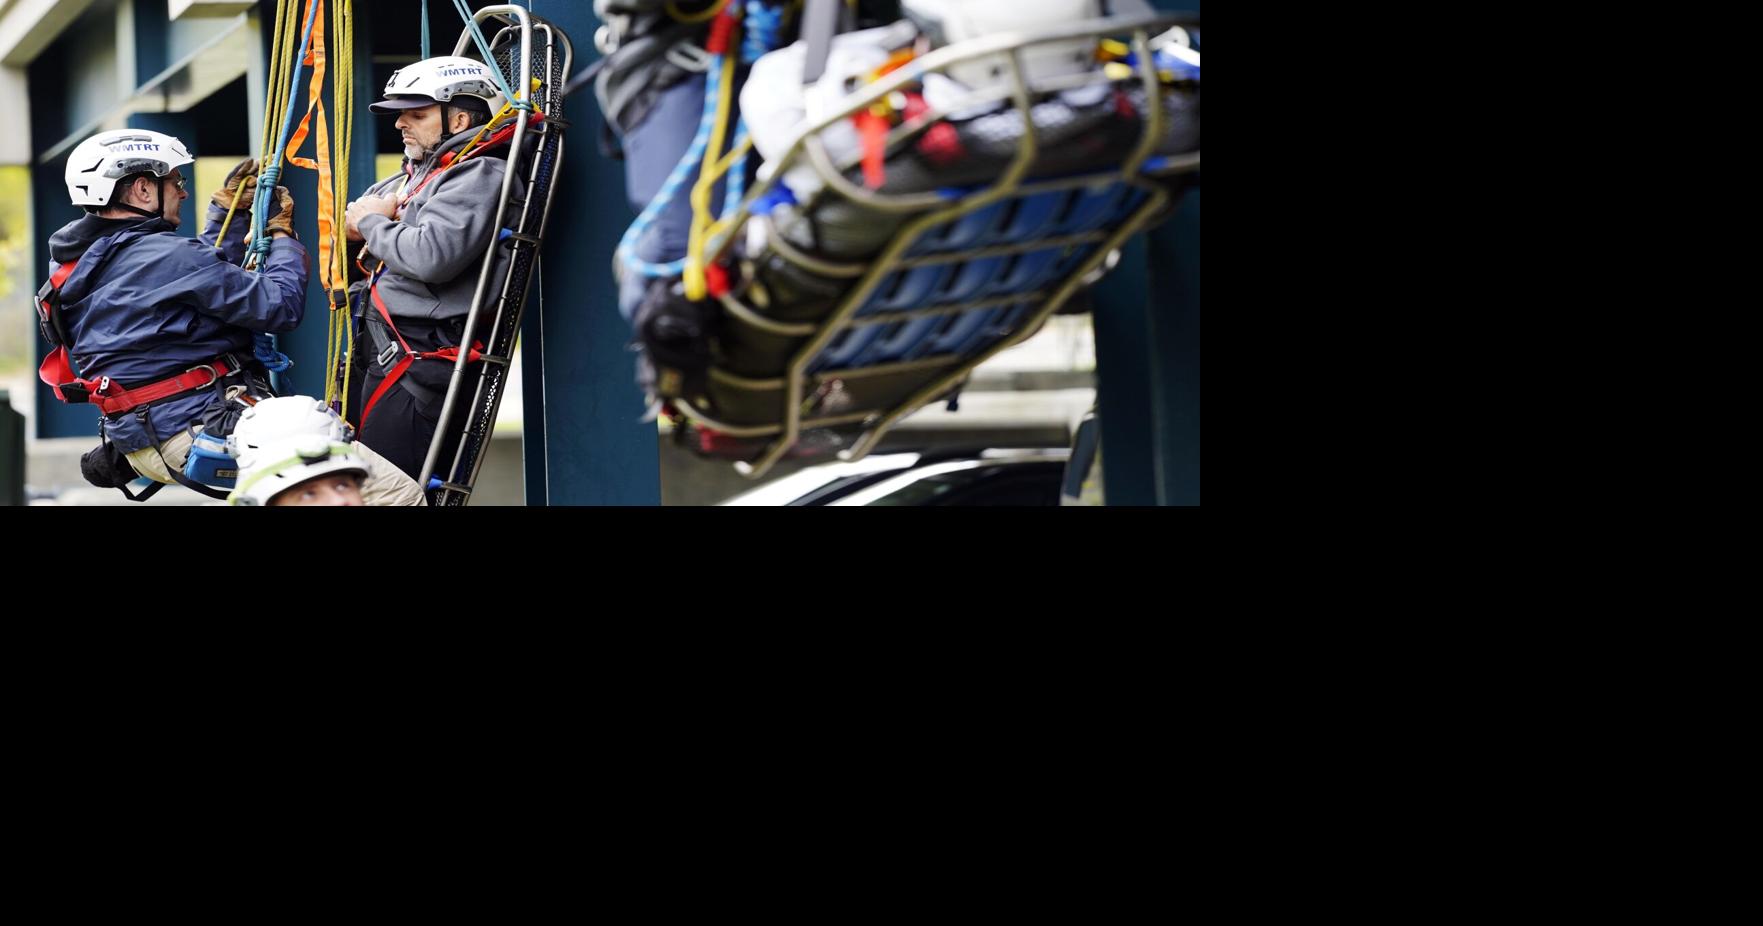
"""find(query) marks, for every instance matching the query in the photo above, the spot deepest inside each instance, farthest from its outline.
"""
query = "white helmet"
(270, 469)
(98, 162)
(439, 80)
(946, 22)
(284, 418)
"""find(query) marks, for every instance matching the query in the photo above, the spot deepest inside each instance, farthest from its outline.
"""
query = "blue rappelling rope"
(425, 28)
(627, 246)
(762, 32)
(263, 346)
(273, 171)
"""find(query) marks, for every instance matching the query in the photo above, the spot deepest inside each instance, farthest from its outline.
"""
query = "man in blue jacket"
(162, 326)
(159, 326)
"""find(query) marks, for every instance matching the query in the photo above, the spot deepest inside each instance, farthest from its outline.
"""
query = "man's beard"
(417, 152)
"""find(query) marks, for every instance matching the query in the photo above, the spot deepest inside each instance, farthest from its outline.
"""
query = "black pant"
(398, 429)
(402, 425)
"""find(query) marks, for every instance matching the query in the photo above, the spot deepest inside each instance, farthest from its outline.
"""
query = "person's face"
(144, 193)
(336, 490)
(421, 129)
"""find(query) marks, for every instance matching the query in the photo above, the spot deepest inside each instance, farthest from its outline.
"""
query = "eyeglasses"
(183, 183)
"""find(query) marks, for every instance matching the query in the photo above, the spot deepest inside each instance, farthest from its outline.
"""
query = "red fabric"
(873, 131)
(720, 31)
(110, 397)
(941, 144)
(56, 368)
(116, 400)
(391, 378)
(716, 279)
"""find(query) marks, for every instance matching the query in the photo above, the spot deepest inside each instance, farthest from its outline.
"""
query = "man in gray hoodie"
(425, 231)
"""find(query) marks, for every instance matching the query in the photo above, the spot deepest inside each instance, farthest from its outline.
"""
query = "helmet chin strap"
(159, 183)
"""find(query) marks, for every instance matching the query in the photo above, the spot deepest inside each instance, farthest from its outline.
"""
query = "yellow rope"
(281, 67)
(284, 23)
(693, 277)
(722, 167)
(287, 16)
(339, 344)
(280, 84)
(703, 15)
(342, 96)
(275, 60)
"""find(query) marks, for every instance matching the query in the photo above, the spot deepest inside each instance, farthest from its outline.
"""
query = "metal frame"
(545, 161)
(933, 210)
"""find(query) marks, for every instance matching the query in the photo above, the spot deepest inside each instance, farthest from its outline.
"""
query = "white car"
(966, 478)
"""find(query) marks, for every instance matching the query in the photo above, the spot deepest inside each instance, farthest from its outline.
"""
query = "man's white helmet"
(440, 80)
(268, 470)
(98, 162)
(946, 22)
(285, 418)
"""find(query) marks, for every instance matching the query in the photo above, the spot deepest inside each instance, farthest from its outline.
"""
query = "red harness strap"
(56, 368)
(449, 354)
(112, 399)
(57, 373)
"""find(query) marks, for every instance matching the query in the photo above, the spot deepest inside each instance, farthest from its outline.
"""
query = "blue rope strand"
(764, 30)
(483, 46)
(694, 154)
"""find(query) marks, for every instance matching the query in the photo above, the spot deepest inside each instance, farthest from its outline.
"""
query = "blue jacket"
(145, 304)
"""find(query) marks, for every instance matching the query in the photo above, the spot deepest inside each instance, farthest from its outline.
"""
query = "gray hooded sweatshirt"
(434, 250)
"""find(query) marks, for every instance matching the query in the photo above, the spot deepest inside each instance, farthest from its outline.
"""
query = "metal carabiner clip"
(689, 57)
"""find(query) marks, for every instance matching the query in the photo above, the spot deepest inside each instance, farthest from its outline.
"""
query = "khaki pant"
(385, 486)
